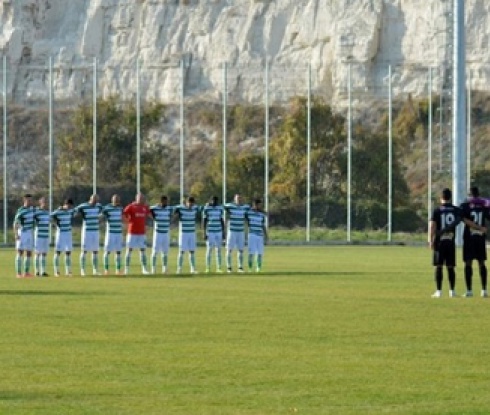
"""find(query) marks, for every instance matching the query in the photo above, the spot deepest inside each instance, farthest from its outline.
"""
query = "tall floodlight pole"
(138, 128)
(5, 200)
(308, 160)
(94, 128)
(182, 130)
(225, 122)
(349, 152)
(459, 106)
(390, 155)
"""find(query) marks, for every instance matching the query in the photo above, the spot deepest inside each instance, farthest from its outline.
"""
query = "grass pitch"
(323, 330)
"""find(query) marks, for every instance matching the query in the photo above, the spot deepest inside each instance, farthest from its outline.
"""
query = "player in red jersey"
(135, 215)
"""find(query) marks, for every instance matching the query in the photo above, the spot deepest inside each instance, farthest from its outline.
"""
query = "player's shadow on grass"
(238, 275)
(41, 292)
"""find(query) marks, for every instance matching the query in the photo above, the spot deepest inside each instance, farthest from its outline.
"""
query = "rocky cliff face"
(203, 34)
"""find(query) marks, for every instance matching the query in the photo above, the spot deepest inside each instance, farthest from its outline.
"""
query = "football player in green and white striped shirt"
(214, 228)
(257, 234)
(236, 231)
(63, 218)
(161, 214)
(188, 215)
(90, 211)
(23, 227)
(112, 214)
(42, 219)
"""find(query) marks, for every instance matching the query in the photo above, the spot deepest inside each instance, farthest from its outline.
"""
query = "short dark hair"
(191, 199)
(474, 191)
(214, 199)
(257, 201)
(163, 198)
(27, 195)
(447, 194)
(68, 202)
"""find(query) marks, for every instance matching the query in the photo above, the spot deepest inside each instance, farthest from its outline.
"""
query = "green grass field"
(323, 330)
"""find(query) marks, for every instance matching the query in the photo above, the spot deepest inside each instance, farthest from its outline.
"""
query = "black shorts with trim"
(475, 247)
(445, 254)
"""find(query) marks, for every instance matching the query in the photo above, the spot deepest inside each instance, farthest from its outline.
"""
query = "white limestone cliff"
(288, 34)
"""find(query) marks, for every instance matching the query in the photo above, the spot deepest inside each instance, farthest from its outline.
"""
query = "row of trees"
(160, 155)
(245, 159)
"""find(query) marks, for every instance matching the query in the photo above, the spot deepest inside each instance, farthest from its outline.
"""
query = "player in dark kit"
(442, 231)
(474, 241)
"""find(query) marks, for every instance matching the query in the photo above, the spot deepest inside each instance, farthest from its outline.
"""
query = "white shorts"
(255, 244)
(187, 241)
(161, 242)
(41, 245)
(90, 241)
(113, 242)
(135, 241)
(235, 240)
(215, 239)
(25, 241)
(63, 242)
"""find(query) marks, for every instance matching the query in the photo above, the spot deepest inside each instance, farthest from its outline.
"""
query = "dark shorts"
(445, 254)
(475, 247)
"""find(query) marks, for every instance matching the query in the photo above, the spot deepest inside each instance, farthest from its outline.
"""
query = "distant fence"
(52, 88)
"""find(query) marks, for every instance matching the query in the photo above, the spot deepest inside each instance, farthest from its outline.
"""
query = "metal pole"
(349, 152)
(94, 128)
(429, 152)
(441, 119)
(51, 129)
(266, 144)
(469, 133)
(459, 105)
(182, 131)
(459, 111)
(225, 132)
(138, 128)
(390, 155)
(308, 159)
(5, 134)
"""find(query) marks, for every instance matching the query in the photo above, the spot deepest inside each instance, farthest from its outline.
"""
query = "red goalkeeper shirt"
(136, 215)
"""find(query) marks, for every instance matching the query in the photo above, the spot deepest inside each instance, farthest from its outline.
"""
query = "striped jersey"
(187, 218)
(256, 222)
(42, 219)
(90, 215)
(24, 218)
(214, 216)
(113, 216)
(63, 219)
(236, 216)
(161, 218)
